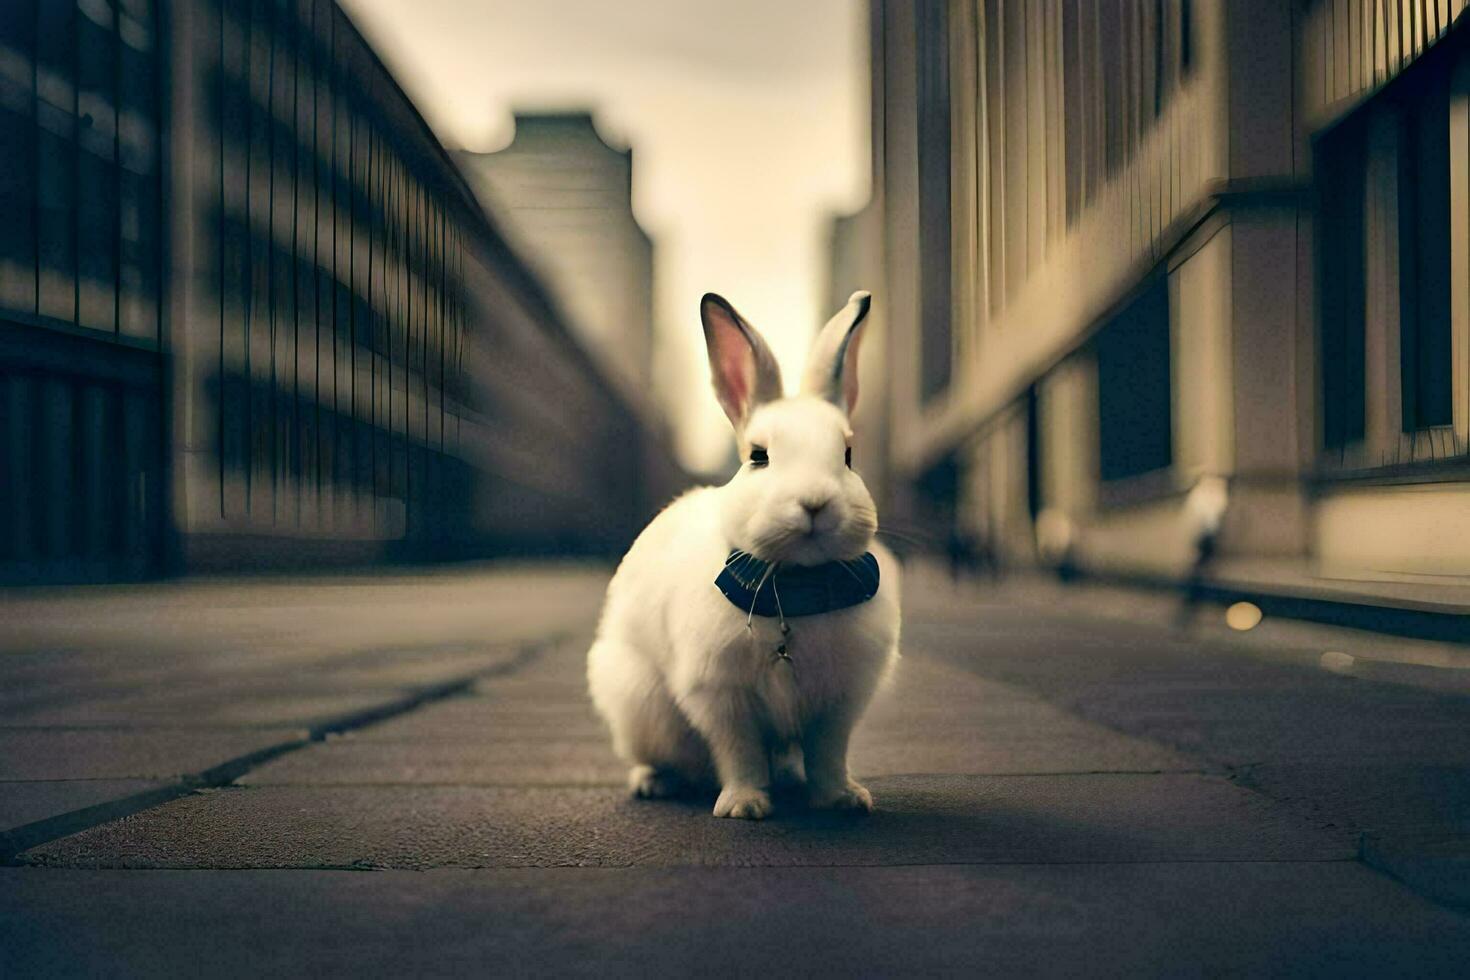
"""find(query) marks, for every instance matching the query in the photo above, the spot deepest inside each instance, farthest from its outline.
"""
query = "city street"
(401, 774)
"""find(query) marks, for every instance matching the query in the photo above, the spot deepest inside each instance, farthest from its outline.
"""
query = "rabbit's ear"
(745, 371)
(832, 366)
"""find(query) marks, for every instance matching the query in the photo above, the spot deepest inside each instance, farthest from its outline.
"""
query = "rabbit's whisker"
(750, 616)
(905, 538)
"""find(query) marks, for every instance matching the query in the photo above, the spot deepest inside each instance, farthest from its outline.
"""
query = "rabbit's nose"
(815, 507)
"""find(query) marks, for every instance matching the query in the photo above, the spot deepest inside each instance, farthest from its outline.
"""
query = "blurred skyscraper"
(565, 198)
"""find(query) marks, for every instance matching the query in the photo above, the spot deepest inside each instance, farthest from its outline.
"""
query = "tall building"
(565, 197)
(1132, 244)
(256, 314)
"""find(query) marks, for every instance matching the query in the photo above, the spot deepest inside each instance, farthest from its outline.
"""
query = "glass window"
(1423, 101)
(1135, 421)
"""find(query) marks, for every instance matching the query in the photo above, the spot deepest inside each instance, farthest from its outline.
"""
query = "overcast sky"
(749, 123)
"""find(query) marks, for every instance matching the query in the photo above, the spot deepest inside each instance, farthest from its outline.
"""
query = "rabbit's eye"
(758, 456)
(847, 457)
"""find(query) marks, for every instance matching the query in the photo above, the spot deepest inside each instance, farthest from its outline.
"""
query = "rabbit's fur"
(690, 692)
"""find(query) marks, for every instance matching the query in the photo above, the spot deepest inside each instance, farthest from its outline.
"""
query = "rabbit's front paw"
(853, 796)
(743, 803)
(648, 783)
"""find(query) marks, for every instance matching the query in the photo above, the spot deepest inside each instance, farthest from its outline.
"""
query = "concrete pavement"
(1059, 791)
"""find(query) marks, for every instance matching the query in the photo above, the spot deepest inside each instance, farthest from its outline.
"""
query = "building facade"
(565, 198)
(1133, 244)
(251, 313)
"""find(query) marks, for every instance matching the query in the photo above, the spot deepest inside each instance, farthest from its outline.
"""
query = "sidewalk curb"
(1414, 623)
(1419, 621)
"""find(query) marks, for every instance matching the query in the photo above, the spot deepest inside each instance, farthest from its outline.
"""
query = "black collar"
(753, 585)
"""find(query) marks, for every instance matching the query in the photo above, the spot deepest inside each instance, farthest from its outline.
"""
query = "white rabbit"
(695, 686)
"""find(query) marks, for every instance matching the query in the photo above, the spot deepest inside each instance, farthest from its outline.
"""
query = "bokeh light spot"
(1243, 616)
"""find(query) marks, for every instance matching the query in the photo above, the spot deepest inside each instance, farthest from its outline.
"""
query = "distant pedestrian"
(1055, 543)
(1204, 510)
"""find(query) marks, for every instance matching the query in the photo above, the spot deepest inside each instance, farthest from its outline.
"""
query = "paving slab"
(1387, 762)
(1414, 820)
(1235, 919)
(390, 668)
(224, 708)
(29, 685)
(1380, 799)
(327, 613)
(922, 819)
(875, 755)
(540, 761)
(938, 718)
(532, 683)
(28, 801)
(1433, 863)
(487, 719)
(1209, 700)
(113, 753)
